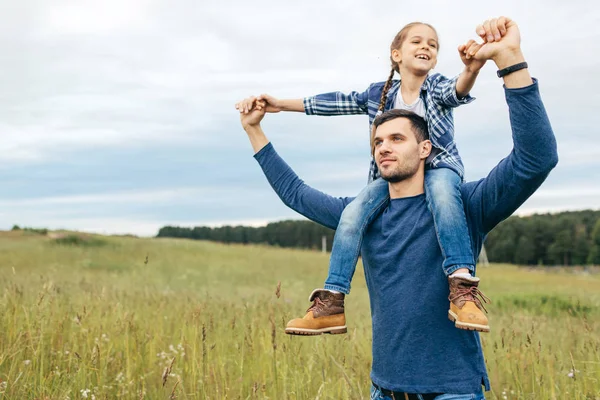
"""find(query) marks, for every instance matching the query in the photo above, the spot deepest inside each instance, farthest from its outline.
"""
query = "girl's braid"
(386, 88)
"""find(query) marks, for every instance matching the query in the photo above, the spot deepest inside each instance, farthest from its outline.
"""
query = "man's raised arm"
(313, 204)
(534, 153)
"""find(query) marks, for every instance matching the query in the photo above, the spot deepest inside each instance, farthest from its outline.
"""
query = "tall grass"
(158, 319)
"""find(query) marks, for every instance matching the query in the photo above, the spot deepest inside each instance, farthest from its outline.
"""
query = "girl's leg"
(326, 315)
(348, 236)
(442, 188)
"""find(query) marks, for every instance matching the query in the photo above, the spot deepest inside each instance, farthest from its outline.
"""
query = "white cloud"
(94, 17)
(87, 76)
(196, 194)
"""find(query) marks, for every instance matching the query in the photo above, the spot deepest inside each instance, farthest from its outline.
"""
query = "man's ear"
(424, 149)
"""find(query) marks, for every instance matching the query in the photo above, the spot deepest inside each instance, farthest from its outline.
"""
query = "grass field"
(127, 318)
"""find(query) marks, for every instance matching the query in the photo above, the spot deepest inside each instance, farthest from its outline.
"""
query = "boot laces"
(473, 294)
(317, 305)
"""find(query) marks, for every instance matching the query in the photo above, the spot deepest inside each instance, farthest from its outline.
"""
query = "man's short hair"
(419, 125)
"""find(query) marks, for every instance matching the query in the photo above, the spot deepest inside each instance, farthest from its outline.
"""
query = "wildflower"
(85, 392)
(27, 362)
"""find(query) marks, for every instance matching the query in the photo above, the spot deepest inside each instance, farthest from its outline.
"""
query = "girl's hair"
(396, 44)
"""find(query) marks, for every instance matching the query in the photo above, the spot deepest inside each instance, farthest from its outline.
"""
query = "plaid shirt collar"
(393, 92)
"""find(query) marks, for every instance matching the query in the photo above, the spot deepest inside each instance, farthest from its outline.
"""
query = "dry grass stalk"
(166, 372)
(173, 395)
(278, 290)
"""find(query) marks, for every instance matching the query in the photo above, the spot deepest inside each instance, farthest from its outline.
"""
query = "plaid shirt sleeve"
(337, 103)
(444, 92)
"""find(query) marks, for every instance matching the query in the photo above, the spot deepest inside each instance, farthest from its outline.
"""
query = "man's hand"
(250, 113)
(492, 30)
(502, 40)
(505, 51)
(268, 102)
(246, 105)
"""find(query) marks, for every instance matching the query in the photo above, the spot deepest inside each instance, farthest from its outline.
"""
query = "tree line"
(566, 238)
(291, 233)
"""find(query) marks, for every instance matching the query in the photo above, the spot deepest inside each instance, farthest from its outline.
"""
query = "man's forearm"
(518, 79)
(257, 137)
(465, 82)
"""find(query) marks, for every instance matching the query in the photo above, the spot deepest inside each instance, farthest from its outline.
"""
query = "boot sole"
(465, 325)
(336, 330)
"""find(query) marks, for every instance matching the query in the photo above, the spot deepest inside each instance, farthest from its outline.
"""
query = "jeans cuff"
(338, 288)
(455, 267)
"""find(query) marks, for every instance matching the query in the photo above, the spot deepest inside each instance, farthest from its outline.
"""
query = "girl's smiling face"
(418, 51)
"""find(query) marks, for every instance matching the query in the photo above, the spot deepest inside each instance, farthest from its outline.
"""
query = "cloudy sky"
(117, 115)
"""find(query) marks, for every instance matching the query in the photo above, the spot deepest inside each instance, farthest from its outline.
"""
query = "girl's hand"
(271, 104)
(467, 51)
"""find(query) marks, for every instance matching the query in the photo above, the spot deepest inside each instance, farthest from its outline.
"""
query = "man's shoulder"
(473, 204)
(468, 188)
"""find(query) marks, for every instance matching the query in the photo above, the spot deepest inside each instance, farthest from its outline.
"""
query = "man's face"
(397, 153)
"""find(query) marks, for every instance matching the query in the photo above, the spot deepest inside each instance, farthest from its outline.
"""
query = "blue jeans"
(442, 188)
(377, 395)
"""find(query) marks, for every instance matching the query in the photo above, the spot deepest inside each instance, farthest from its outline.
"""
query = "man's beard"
(400, 173)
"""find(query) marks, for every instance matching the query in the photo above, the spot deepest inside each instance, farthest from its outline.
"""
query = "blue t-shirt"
(416, 349)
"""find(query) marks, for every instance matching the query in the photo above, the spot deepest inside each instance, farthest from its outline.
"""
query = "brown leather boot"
(466, 308)
(326, 315)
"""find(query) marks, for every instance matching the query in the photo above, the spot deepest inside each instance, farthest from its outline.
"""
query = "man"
(416, 353)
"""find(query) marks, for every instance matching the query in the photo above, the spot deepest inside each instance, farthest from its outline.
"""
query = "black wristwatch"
(509, 70)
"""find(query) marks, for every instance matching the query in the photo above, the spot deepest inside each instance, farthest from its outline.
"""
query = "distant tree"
(525, 252)
(545, 239)
(561, 250)
(594, 255)
(581, 244)
(502, 249)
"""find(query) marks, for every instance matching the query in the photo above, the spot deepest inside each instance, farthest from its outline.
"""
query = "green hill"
(109, 314)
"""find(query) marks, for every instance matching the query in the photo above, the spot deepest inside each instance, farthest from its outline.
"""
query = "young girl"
(413, 55)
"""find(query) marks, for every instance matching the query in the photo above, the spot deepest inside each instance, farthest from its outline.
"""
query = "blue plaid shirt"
(439, 96)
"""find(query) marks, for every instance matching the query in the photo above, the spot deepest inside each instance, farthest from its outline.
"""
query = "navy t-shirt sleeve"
(313, 204)
(509, 184)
